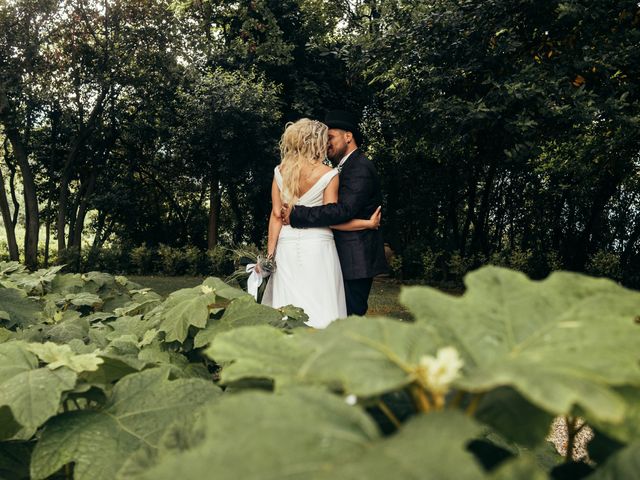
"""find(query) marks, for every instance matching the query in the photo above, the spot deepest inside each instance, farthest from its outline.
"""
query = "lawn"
(383, 300)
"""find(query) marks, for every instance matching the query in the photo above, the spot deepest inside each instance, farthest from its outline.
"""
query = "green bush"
(220, 261)
(432, 265)
(458, 266)
(412, 266)
(395, 265)
(4, 252)
(112, 259)
(605, 264)
(142, 260)
(516, 259)
(172, 260)
(194, 261)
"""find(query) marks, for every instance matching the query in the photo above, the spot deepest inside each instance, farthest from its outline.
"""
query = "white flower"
(351, 400)
(285, 318)
(440, 371)
(206, 289)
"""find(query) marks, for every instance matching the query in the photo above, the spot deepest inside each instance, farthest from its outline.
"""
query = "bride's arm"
(275, 222)
(331, 196)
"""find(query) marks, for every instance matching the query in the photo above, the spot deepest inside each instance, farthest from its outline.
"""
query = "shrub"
(458, 266)
(172, 260)
(395, 265)
(112, 259)
(194, 261)
(604, 264)
(412, 266)
(220, 261)
(432, 265)
(142, 260)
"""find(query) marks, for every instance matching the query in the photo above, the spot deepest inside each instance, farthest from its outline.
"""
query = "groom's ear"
(348, 137)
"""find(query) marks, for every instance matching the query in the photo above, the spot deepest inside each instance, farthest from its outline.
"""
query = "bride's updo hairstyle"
(304, 141)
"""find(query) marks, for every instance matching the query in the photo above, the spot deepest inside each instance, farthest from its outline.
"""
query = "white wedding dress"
(308, 273)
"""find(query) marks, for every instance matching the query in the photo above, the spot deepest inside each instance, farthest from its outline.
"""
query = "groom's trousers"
(357, 295)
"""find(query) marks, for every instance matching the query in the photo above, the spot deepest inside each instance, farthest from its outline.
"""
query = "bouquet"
(254, 270)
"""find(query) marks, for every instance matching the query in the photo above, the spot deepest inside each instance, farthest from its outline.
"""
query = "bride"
(308, 273)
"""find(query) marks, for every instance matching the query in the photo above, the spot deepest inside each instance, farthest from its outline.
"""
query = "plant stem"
(572, 431)
(457, 399)
(473, 405)
(387, 411)
(420, 398)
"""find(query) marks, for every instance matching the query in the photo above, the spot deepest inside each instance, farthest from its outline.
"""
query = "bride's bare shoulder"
(324, 169)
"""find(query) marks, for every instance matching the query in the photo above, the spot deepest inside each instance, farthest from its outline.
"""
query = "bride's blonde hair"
(302, 141)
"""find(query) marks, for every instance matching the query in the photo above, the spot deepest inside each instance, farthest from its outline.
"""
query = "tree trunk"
(14, 254)
(30, 200)
(47, 234)
(74, 152)
(82, 211)
(214, 214)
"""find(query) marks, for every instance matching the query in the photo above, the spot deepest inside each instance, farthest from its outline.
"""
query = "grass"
(383, 300)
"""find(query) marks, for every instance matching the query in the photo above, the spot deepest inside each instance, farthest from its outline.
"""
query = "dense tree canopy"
(503, 131)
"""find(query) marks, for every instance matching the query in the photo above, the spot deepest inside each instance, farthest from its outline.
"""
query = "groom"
(361, 252)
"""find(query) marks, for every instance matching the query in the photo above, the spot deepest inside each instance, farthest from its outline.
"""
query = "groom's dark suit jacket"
(361, 252)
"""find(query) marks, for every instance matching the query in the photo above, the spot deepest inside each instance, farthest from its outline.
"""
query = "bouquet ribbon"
(255, 279)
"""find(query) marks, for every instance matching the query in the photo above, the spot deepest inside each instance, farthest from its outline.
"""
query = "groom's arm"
(355, 194)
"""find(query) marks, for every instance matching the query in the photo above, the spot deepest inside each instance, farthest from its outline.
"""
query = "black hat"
(344, 120)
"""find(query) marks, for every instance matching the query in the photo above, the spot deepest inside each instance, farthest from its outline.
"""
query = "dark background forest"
(142, 134)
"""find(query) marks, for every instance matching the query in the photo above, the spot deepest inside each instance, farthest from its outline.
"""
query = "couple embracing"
(323, 229)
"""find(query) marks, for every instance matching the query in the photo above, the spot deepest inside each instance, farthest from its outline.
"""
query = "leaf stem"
(572, 432)
(420, 398)
(473, 405)
(457, 399)
(387, 411)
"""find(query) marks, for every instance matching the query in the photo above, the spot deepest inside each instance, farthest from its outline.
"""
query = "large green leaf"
(183, 309)
(57, 356)
(625, 464)
(521, 468)
(222, 290)
(141, 408)
(35, 283)
(84, 299)
(68, 329)
(67, 283)
(507, 412)
(428, 446)
(258, 352)
(309, 434)
(629, 429)
(288, 435)
(33, 395)
(560, 342)
(22, 311)
(15, 359)
(241, 312)
(360, 356)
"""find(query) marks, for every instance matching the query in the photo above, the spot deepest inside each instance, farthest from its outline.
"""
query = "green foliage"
(120, 387)
(221, 261)
(141, 407)
(142, 260)
(605, 264)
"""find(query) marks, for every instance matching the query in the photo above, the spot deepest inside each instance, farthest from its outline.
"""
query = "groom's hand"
(285, 211)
